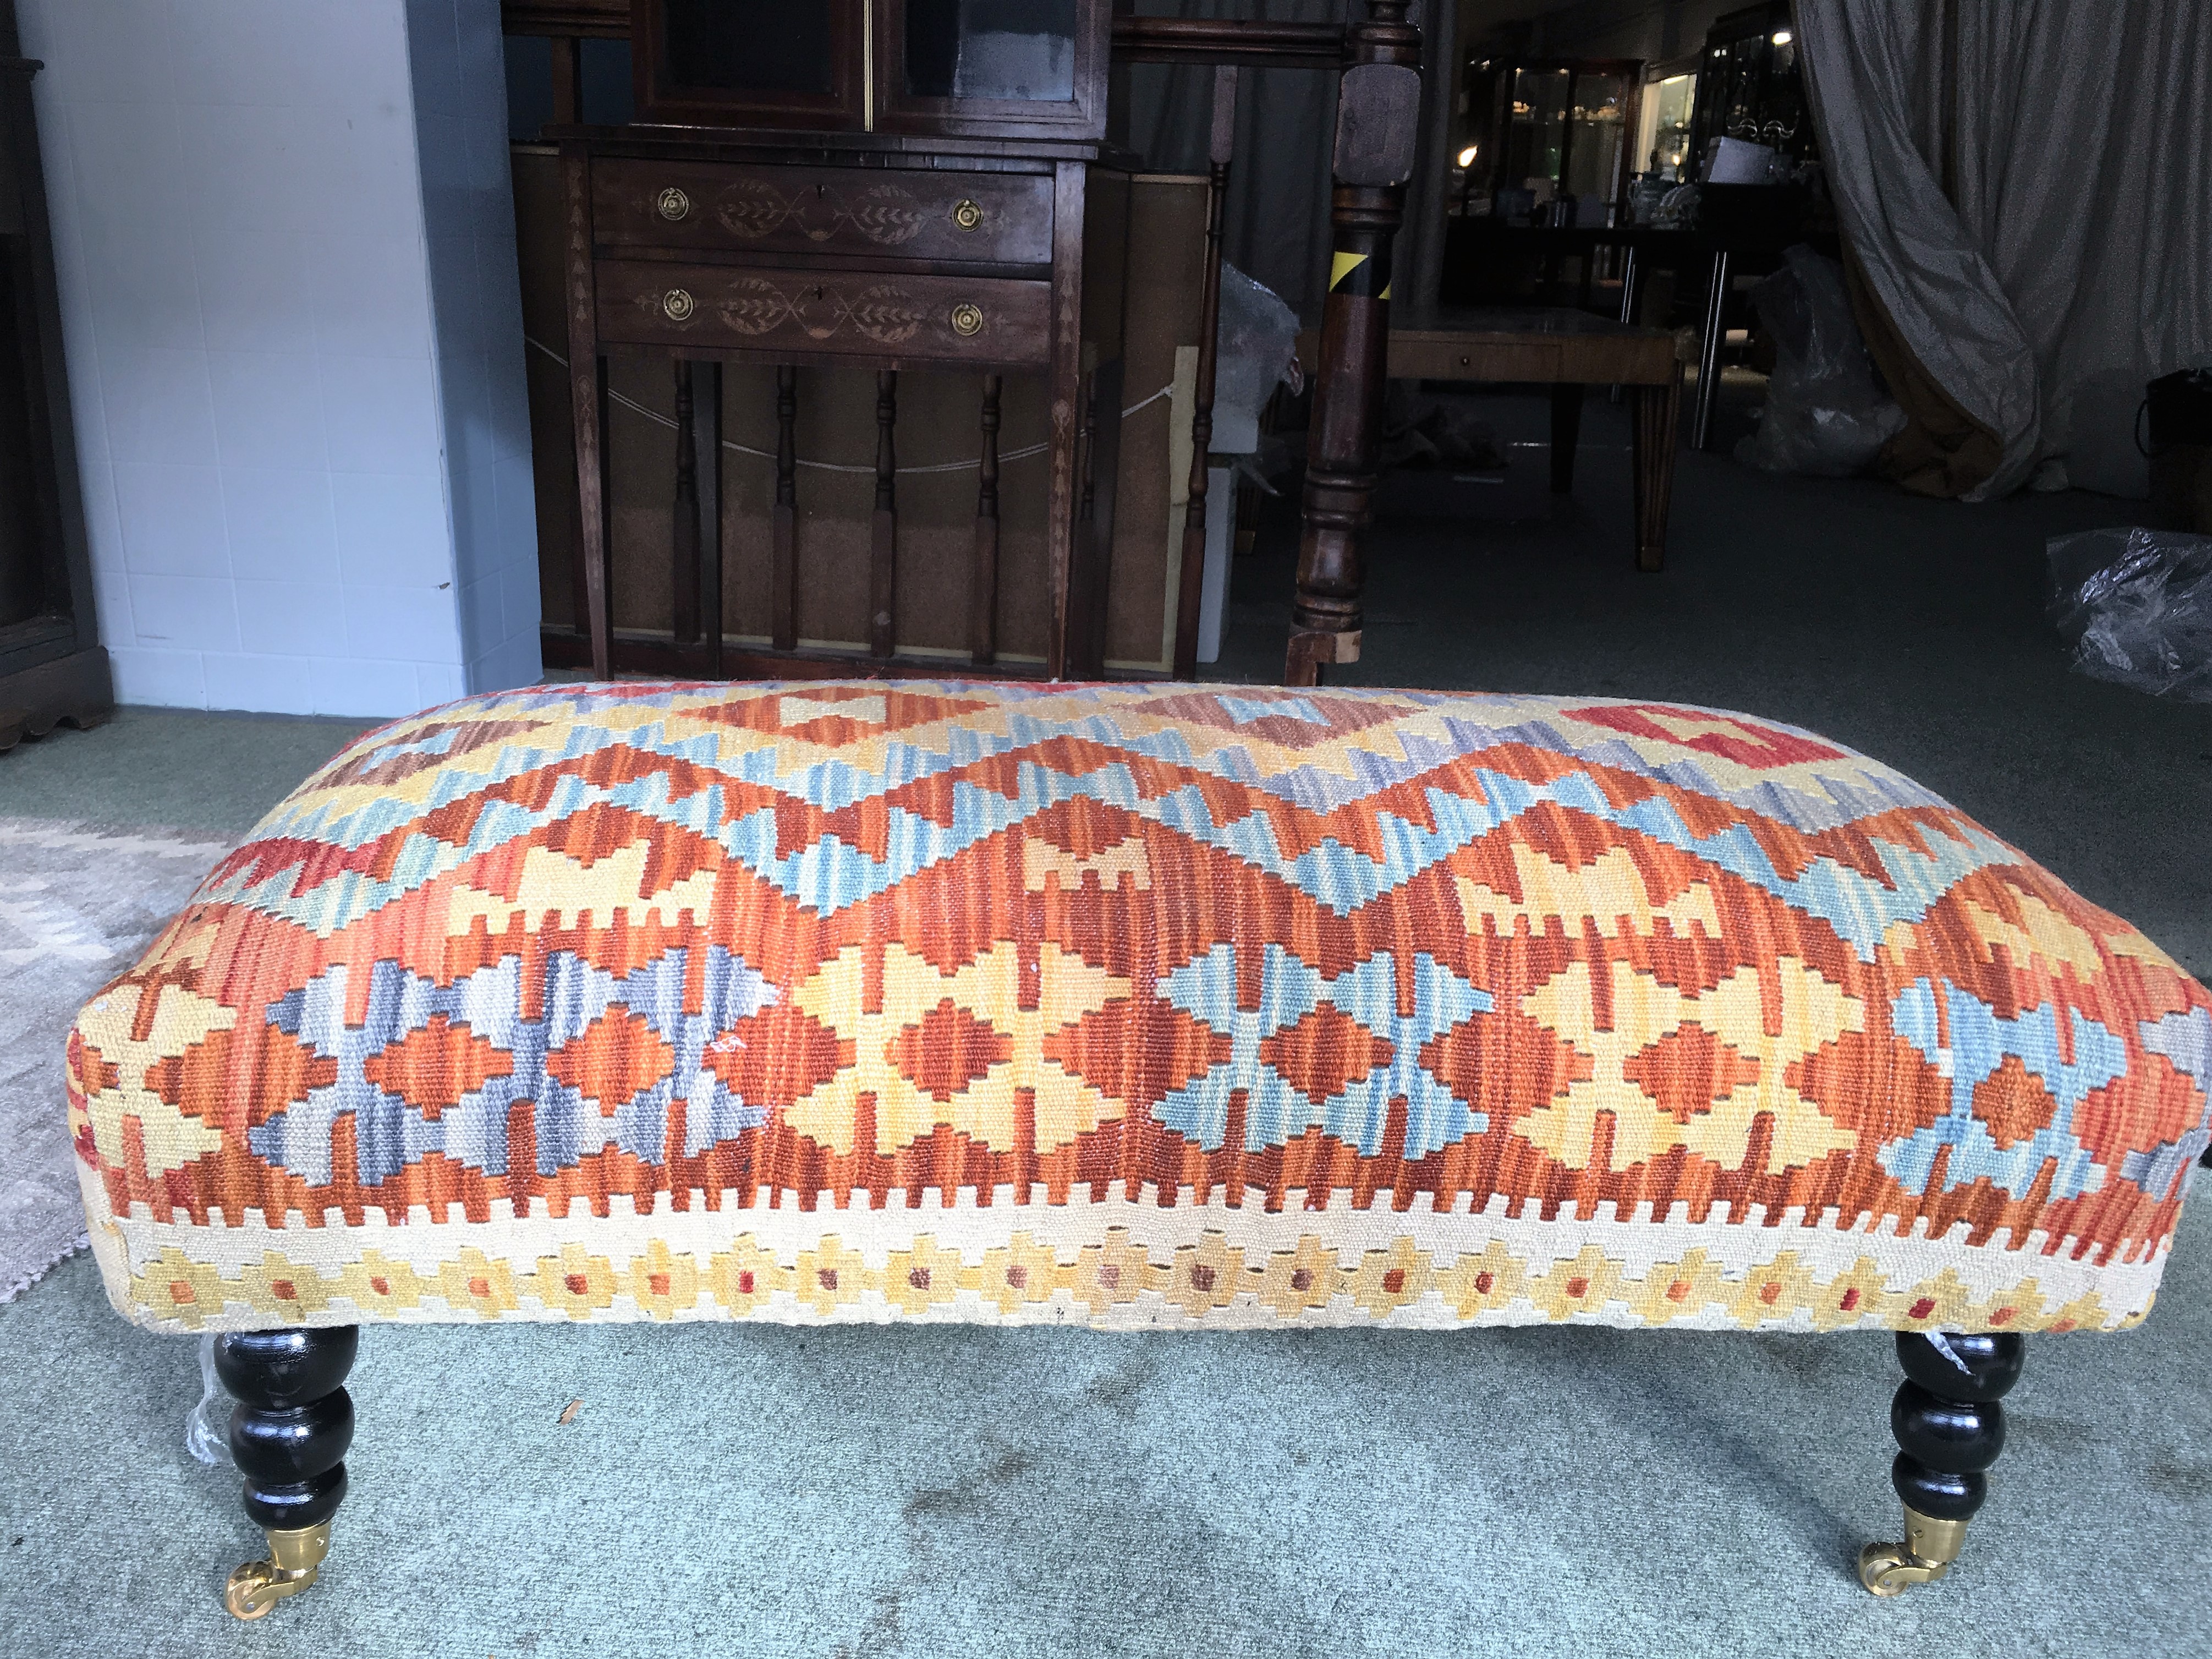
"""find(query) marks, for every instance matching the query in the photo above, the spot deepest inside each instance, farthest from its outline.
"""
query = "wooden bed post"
(1377, 119)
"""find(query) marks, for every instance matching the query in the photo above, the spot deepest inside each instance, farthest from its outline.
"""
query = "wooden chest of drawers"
(912, 213)
(871, 251)
(813, 316)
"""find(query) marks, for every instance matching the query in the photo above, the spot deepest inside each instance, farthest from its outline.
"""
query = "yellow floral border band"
(1139, 1267)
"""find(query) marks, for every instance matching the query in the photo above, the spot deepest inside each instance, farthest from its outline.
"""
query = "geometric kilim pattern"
(1132, 1004)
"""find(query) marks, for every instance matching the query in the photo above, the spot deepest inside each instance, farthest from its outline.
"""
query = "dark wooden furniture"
(882, 185)
(1377, 119)
(1569, 351)
(52, 667)
(1744, 231)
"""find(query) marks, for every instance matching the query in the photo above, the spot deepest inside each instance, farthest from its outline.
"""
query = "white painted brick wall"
(286, 246)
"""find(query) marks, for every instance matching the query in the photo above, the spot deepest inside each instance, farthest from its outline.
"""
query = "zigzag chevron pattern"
(615, 956)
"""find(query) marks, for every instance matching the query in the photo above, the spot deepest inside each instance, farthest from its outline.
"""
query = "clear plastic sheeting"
(1421, 429)
(2136, 607)
(1826, 414)
(207, 1425)
(1258, 351)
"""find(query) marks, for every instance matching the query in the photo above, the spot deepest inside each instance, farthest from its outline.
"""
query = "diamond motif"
(1323, 1052)
(947, 1049)
(433, 1067)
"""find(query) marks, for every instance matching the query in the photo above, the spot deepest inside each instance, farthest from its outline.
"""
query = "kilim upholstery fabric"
(1132, 1005)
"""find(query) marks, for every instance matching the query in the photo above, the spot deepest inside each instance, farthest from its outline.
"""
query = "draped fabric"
(2027, 188)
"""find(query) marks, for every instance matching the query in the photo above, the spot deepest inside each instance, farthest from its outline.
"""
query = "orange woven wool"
(1132, 1005)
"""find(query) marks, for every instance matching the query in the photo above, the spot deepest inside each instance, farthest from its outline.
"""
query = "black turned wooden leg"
(288, 1437)
(1947, 1419)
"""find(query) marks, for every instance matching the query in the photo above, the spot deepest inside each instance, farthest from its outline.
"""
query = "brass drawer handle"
(673, 204)
(967, 321)
(966, 214)
(676, 305)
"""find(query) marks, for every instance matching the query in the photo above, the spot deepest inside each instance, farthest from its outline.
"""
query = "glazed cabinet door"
(990, 68)
(799, 64)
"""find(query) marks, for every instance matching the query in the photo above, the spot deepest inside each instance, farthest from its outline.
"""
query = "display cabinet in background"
(1536, 134)
(1664, 130)
(1750, 86)
(975, 68)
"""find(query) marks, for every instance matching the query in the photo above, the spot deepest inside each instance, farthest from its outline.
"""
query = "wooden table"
(1568, 350)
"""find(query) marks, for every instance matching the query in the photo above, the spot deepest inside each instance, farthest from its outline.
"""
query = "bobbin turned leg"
(288, 1437)
(1947, 1417)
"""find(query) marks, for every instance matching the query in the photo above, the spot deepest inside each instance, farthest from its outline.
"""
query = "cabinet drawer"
(968, 319)
(1003, 218)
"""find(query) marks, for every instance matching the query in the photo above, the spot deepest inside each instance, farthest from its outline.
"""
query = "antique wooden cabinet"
(52, 664)
(891, 185)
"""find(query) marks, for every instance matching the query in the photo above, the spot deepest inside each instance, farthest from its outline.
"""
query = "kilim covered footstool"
(1134, 1007)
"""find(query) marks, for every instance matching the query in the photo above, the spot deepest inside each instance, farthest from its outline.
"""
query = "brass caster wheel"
(1886, 1569)
(250, 1592)
(1931, 1547)
(295, 1560)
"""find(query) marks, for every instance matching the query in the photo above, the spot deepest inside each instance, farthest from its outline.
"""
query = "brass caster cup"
(1929, 1547)
(295, 1559)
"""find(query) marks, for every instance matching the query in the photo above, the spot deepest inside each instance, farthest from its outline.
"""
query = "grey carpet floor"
(1577, 1493)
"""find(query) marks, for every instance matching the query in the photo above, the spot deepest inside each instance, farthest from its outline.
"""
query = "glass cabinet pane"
(1538, 130)
(1599, 110)
(1015, 50)
(1666, 146)
(747, 45)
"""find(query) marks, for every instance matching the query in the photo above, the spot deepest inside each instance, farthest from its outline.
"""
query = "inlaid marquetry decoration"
(1132, 1006)
(883, 216)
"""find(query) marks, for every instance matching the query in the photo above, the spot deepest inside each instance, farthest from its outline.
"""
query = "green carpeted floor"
(1576, 1493)
(949, 1491)
(173, 766)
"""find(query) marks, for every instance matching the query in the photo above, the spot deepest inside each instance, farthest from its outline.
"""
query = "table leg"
(1566, 433)
(1629, 274)
(1709, 359)
(1657, 410)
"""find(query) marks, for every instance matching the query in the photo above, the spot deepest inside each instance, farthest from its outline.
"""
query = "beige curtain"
(2027, 188)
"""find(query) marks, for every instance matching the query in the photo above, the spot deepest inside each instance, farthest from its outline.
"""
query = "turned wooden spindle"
(883, 550)
(684, 576)
(1191, 579)
(783, 577)
(1378, 116)
(288, 1437)
(587, 387)
(983, 584)
(1949, 1428)
(1086, 452)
